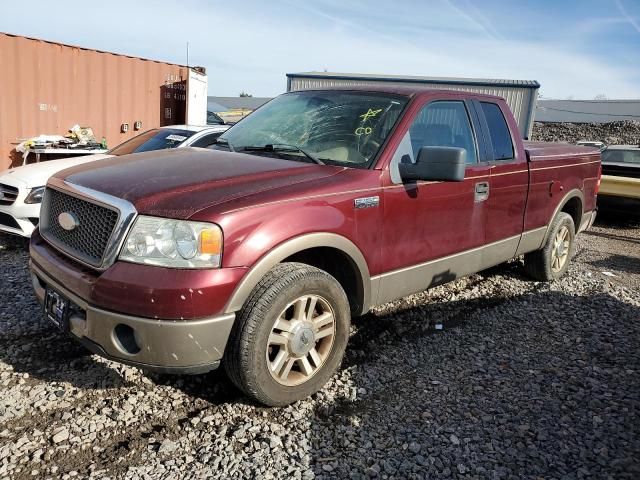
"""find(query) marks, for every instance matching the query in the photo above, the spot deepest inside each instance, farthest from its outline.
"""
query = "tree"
(245, 94)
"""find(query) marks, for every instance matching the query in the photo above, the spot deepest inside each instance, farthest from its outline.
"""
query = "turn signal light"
(210, 242)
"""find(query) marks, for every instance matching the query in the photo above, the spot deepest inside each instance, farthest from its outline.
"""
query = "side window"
(443, 124)
(207, 140)
(438, 124)
(498, 131)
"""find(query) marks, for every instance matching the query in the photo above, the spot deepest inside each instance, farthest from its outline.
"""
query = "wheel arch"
(316, 249)
(573, 204)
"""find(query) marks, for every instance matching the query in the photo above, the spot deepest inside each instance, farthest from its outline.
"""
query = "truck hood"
(37, 174)
(178, 183)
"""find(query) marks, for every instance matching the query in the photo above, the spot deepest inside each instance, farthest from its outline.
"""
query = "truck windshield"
(339, 127)
(156, 139)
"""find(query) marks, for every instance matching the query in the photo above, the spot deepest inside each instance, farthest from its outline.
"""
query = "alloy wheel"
(560, 251)
(300, 340)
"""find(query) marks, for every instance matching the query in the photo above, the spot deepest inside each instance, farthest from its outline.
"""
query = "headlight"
(35, 195)
(173, 243)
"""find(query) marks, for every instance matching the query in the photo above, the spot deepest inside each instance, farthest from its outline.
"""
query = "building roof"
(623, 147)
(418, 79)
(587, 111)
(91, 49)
(222, 104)
(404, 90)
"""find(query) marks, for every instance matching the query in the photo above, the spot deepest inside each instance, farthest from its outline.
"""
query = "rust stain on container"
(48, 87)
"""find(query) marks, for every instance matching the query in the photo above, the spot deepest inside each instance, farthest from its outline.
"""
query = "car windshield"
(214, 119)
(340, 127)
(621, 156)
(157, 139)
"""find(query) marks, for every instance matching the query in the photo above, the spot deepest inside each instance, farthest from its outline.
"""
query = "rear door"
(508, 181)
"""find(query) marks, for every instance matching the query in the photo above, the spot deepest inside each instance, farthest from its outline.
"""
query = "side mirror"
(436, 163)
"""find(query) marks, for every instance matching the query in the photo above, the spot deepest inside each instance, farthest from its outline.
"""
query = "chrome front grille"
(86, 225)
(8, 194)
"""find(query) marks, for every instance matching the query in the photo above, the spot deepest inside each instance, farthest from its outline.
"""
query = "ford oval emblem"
(68, 221)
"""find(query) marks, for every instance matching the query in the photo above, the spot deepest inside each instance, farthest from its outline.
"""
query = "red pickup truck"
(315, 208)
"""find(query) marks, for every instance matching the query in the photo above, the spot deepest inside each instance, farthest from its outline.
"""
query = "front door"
(433, 231)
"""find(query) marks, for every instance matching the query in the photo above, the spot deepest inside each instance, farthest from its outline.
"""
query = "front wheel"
(290, 336)
(552, 261)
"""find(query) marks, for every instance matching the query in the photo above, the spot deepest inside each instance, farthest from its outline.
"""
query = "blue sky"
(576, 49)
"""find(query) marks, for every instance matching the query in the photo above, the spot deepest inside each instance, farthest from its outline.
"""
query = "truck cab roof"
(408, 91)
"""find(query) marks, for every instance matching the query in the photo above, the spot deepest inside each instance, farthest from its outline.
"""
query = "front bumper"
(141, 290)
(19, 218)
(168, 346)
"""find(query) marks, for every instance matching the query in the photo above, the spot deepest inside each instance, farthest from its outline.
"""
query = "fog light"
(125, 338)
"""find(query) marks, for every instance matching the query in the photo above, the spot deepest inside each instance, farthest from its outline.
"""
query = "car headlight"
(35, 195)
(173, 243)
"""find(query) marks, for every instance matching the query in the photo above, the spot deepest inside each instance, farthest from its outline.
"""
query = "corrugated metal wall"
(48, 87)
(521, 100)
(587, 111)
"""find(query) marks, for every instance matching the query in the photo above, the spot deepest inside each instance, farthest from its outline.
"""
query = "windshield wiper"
(225, 142)
(282, 147)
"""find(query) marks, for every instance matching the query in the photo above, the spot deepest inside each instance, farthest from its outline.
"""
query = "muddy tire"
(290, 336)
(552, 261)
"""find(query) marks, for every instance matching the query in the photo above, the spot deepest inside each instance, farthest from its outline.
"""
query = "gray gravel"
(622, 132)
(493, 376)
(612, 248)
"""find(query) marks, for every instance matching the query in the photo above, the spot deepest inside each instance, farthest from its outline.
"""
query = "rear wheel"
(552, 261)
(290, 336)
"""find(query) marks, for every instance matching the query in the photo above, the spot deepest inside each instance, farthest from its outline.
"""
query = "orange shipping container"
(48, 87)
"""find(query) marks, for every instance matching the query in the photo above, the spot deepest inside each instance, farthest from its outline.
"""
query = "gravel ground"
(612, 133)
(493, 376)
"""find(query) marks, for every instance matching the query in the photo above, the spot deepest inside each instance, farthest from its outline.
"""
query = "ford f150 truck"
(318, 206)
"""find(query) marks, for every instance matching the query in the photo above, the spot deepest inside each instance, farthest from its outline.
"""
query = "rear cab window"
(498, 132)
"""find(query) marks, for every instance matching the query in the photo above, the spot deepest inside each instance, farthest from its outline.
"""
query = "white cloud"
(309, 44)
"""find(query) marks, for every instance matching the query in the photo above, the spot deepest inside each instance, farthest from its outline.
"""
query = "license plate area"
(56, 308)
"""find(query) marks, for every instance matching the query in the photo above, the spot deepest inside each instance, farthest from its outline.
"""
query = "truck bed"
(557, 170)
(538, 151)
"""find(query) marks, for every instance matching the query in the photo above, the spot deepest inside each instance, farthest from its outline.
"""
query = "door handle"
(481, 191)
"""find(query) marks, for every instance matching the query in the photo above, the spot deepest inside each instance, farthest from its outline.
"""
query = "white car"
(21, 188)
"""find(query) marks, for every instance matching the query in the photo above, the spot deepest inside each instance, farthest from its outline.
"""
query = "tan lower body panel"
(531, 240)
(587, 221)
(405, 281)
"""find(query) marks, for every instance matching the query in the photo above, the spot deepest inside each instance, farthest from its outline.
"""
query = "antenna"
(187, 54)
